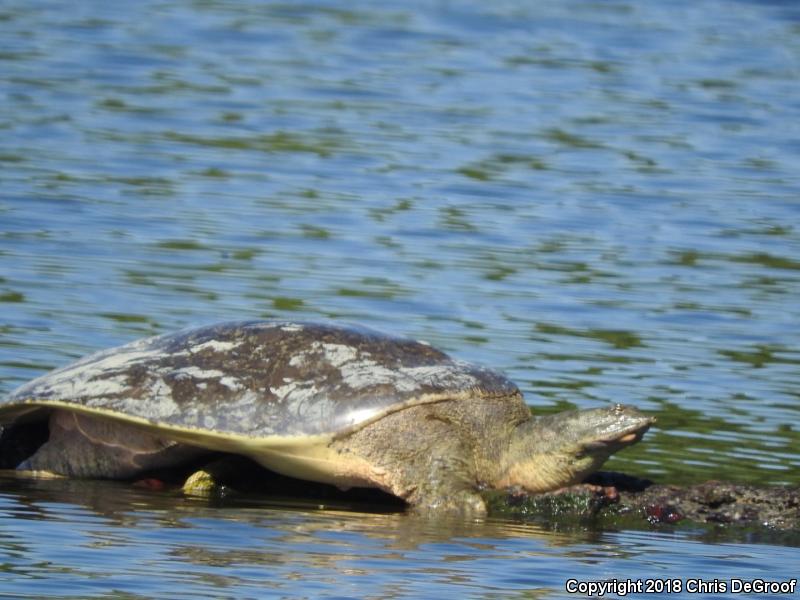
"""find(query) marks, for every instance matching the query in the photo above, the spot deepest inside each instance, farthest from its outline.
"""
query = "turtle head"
(557, 450)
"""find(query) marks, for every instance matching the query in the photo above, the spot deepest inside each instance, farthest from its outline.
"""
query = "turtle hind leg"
(445, 491)
(92, 447)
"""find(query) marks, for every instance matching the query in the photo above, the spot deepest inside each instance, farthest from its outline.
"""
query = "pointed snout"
(611, 428)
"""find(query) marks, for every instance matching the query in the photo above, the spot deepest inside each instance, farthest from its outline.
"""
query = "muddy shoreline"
(615, 497)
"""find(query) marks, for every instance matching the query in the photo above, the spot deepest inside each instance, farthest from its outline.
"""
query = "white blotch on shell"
(231, 383)
(117, 361)
(298, 360)
(102, 380)
(158, 397)
(96, 375)
(215, 345)
(337, 354)
(199, 373)
(107, 387)
(366, 372)
(161, 403)
(358, 370)
(451, 375)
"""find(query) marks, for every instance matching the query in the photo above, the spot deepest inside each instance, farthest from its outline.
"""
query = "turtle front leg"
(465, 503)
(421, 459)
(445, 488)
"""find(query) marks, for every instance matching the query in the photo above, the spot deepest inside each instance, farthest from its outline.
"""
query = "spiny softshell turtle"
(342, 405)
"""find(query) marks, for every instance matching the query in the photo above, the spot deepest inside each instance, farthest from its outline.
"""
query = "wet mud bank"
(616, 497)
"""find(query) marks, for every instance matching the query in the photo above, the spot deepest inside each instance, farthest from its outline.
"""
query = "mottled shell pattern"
(259, 379)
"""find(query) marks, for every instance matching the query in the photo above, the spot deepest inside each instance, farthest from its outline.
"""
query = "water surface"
(600, 199)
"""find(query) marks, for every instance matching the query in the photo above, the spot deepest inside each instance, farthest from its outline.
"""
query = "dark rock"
(609, 497)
